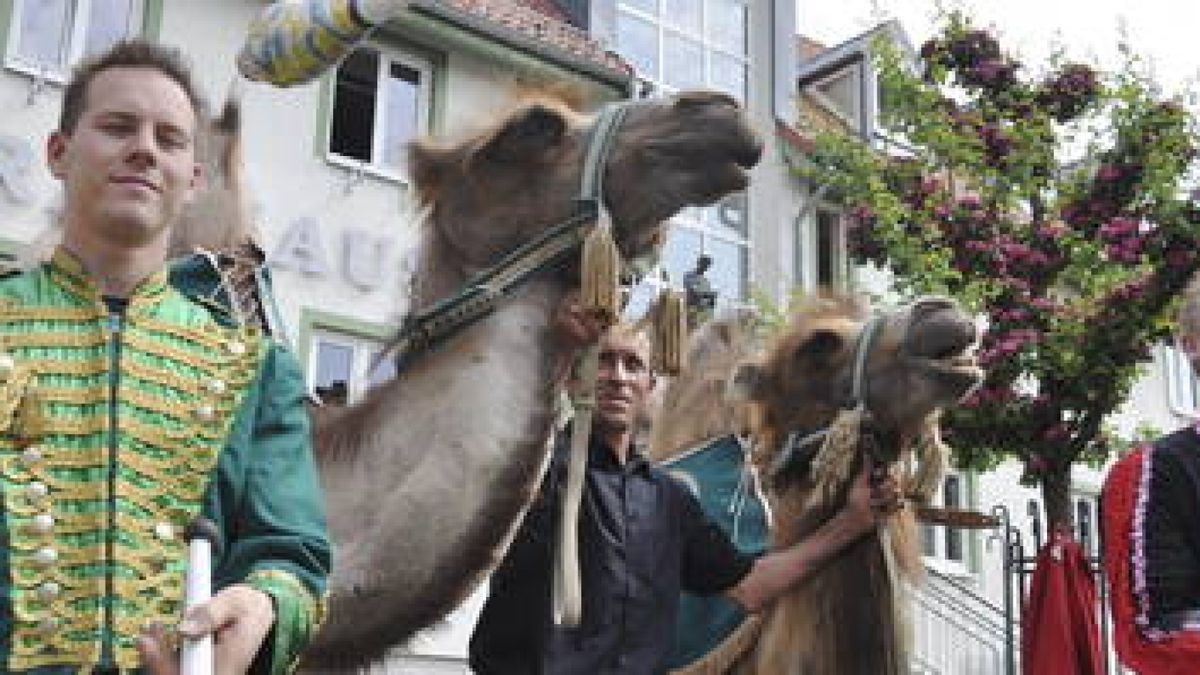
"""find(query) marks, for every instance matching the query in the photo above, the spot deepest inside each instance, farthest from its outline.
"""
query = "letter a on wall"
(300, 249)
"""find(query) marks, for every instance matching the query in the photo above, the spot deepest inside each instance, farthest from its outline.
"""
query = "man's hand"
(873, 496)
(573, 325)
(239, 617)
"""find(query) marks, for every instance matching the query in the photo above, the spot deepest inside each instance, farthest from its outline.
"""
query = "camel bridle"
(428, 327)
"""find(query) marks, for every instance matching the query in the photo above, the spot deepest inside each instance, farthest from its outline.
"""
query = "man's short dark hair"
(132, 53)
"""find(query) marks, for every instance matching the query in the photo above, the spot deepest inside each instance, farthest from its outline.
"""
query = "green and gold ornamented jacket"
(116, 431)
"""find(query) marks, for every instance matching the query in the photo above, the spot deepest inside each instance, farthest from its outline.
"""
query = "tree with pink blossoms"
(1052, 202)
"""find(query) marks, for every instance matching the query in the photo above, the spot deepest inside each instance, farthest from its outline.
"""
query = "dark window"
(1083, 524)
(954, 499)
(353, 130)
(828, 249)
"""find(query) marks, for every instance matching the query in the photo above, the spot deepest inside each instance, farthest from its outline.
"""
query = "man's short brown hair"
(132, 53)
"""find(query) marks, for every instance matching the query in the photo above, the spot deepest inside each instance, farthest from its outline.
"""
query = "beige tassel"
(832, 468)
(600, 273)
(670, 333)
(931, 454)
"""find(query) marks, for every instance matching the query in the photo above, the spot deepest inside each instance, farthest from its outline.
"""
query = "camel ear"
(748, 383)
(427, 165)
(527, 134)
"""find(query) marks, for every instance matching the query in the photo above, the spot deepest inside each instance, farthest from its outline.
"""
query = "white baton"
(196, 655)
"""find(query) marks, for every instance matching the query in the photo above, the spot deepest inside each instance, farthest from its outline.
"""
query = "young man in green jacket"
(127, 410)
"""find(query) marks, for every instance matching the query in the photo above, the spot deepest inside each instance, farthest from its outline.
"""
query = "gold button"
(164, 531)
(49, 590)
(236, 347)
(7, 364)
(36, 490)
(32, 455)
(216, 386)
(46, 556)
(43, 523)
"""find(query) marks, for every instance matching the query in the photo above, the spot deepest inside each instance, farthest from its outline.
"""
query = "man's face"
(129, 166)
(624, 382)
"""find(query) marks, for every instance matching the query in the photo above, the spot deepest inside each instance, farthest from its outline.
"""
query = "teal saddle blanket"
(718, 473)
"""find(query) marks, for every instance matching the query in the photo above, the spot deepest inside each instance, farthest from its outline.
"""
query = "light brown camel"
(426, 478)
(841, 619)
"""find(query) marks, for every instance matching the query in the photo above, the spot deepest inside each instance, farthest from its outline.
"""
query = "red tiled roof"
(543, 21)
(547, 7)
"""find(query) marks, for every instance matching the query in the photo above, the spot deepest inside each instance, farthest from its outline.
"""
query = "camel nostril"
(751, 154)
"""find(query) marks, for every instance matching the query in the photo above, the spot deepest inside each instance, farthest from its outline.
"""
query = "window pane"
(683, 62)
(953, 498)
(108, 21)
(332, 379)
(683, 13)
(680, 252)
(45, 32)
(637, 40)
(730, 213)
(727, 25)
(648, 6)
(828, 251)
(1083, 524)
(728, 75)
(403, 113)
(353, 122)
(728, 271)
(384, 370)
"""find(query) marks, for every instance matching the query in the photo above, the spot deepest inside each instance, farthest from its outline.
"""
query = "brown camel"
(426, 478)
(843, 619)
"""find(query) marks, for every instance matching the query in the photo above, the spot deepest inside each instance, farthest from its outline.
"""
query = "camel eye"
(821, 344)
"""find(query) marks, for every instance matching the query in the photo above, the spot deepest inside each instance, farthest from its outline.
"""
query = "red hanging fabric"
(1060, 635)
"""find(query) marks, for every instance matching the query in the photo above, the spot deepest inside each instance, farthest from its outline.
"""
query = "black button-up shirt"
(643, 538)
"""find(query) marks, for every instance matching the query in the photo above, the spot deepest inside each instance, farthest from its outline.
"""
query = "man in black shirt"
(643, 538)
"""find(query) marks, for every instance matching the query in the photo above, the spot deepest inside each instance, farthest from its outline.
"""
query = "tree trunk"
(1056, 494)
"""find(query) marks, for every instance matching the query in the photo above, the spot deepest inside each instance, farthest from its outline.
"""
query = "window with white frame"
(47, 37)
(1183, 392)
(340, 366)
(947, 544)
(1086, 528)
(689, 44)
(381, 101)
(720, 232)
(821, 248)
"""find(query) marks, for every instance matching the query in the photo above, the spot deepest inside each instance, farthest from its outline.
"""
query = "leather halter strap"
(428, 327)
(801, 445)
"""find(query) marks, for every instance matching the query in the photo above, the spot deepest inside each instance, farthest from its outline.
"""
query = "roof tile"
(544, 21)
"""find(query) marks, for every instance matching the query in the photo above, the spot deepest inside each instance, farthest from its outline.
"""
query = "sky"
(1165, 32)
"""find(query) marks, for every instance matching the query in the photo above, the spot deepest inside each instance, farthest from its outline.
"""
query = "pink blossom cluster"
(989, 395)
(1125, 239)
(1009, 343)
(1066, 95)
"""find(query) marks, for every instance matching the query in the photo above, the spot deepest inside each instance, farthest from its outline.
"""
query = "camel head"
(919, 361)
(497, 189)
